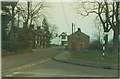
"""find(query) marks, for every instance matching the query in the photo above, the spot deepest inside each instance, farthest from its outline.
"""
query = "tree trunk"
(106, 42)
(115, 38)
(12, 22)
(28, 14)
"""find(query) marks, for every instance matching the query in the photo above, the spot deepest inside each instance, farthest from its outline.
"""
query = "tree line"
(29, 13)
(106, 16)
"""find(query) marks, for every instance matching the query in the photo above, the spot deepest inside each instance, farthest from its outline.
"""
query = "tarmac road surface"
(40, 64)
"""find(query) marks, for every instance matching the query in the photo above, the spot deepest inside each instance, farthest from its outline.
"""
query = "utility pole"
(72, 28)
(72, 38)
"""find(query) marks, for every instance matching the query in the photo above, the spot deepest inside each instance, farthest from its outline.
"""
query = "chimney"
(79, 29)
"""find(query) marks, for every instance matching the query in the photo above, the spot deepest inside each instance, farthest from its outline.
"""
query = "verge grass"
(96, 56)
(8, 53)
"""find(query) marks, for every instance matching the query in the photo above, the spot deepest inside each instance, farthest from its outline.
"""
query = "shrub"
(9, 46)
(95, 45)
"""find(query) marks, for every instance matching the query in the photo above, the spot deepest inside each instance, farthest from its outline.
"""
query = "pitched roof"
(79, 32)
(63, 33)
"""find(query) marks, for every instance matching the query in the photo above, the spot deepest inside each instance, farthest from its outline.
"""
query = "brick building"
(29, 37)
(78, 41)
(41, 39)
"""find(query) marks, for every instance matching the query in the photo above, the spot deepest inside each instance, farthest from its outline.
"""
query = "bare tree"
(31, 11)
(99, 32)
(8, 15)
(53, 30)
(106, 12)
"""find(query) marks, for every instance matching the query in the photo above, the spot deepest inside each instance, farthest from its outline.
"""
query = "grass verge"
(8, 53)
(96, 56)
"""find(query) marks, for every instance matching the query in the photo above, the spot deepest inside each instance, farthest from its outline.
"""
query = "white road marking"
(53, 74)
(15, 73)
(26, 66)
(19, 68)
(9, 75)
(33, 64)
(44, 61)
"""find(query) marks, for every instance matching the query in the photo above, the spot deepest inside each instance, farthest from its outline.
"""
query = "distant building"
(63, 38)
(29, 37)
(78, 40)
(22, 37)
(60, 40)
(41, 39)
(55, 41)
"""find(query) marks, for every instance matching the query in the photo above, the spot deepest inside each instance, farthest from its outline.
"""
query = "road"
(40, 64)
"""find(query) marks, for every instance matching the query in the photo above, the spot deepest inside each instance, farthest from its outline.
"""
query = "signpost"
(104, 44)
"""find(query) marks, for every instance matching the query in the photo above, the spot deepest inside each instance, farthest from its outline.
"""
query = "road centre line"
(29, 65)
(19, 68)
(33, 64)
(25, 66)
(44, 61)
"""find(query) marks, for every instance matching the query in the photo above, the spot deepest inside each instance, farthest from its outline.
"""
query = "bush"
(95, 45)
(9, 46)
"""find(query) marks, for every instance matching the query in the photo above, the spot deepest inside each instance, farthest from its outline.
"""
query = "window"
(15, 37)
(63, 37)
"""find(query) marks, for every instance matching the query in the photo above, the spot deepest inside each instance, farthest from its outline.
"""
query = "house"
(41, 38)
(22, 37)
(63, 38)
(29, 37)
(60, 40)
(78, 41)
(55, 41)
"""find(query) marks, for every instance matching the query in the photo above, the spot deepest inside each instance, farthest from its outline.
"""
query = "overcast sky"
(61, 9)
(56, 16)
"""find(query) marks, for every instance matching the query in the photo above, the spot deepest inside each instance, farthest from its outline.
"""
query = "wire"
(64, 13)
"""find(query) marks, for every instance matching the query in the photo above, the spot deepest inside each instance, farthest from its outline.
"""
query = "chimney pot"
(79, 29)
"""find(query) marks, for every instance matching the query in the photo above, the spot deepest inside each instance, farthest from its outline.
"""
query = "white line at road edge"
(53, 74)
(15, 73)
(9, 75)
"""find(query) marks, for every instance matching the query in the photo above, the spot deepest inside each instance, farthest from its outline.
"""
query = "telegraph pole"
(72, 28)
(72, 38)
